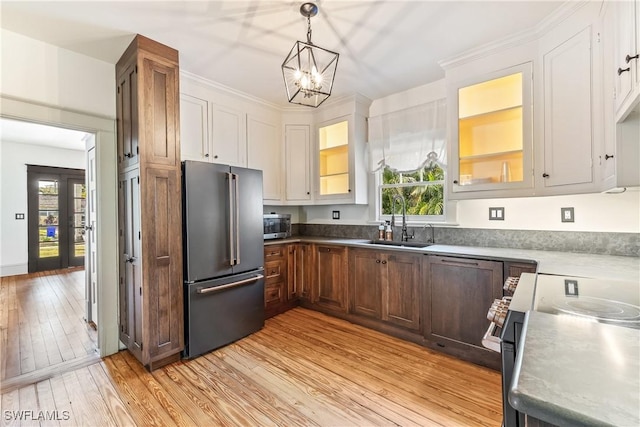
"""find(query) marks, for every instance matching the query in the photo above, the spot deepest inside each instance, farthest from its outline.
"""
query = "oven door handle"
(489, 340)
(229, 285)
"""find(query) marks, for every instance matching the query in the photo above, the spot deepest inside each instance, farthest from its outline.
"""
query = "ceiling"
(37, 134)
(385, 46)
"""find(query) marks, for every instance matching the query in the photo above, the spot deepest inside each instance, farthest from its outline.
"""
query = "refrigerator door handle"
(236, 178)
(229, 285)
(232, 260)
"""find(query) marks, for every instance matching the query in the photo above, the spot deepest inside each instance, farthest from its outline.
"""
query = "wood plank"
(10, 404)
(115, 405)
(62, 402)
(158, 392)
(29, 404)
(47, 403)
(147, 409)
(89, 394)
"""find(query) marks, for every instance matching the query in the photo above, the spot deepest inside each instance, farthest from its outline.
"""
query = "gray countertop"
(571, 371)
(549, 262)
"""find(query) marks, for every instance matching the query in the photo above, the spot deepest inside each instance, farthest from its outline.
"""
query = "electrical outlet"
(496, 214)
(566, 215)
(335, 214)
(571, 287)
(19, 216)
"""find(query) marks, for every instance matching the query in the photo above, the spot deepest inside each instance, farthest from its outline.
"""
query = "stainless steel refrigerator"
(223, 254)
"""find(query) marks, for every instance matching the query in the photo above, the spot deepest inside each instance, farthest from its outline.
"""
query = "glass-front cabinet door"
(492, 144)
(333, 160)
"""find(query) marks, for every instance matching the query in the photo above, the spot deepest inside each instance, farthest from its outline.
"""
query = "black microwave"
(276, 226)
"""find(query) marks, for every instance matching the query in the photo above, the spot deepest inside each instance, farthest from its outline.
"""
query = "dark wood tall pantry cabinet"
(149, 202)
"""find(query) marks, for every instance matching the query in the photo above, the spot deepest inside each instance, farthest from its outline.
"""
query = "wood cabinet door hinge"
(139, 235)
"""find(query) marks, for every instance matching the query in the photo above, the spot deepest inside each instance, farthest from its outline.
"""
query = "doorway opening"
(52, 314)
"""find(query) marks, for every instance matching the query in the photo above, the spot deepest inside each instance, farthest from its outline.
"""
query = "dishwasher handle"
(214, 289)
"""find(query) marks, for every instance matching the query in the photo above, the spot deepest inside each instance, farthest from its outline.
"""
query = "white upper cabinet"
(228, 136)
(558, 149)
(620, 151)
(340, 170)
(491, 131)
(568, 137)
(263, 143)
(194, 132)
(297, 142)
(627, 61)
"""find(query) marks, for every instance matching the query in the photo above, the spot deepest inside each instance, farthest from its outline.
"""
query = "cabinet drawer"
(274, 252)
(274, 271)
(273, 293)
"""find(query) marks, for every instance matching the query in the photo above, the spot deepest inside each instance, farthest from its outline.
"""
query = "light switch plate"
(566, 214)
(496, 214)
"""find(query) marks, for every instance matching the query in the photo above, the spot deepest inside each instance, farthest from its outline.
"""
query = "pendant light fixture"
(309, 70)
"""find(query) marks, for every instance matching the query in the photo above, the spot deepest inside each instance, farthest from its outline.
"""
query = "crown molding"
(227, 89)
(548, 23)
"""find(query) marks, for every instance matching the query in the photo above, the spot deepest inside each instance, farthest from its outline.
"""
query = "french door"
(56, 206)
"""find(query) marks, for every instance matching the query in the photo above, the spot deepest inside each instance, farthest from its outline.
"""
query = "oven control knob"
(511, 283)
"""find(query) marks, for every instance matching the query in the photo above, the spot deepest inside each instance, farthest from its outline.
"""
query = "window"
(422, 191)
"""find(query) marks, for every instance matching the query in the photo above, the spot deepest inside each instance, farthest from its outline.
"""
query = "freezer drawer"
(221, 311)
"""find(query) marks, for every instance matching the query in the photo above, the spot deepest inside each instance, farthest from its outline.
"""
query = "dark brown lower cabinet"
(330, 281)
(299, 271)
(458, 293)
(385, 286)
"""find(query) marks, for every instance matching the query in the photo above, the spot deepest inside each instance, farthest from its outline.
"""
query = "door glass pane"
(48, 218)
(79, 201)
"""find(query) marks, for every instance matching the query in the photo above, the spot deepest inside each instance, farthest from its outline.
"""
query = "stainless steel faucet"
(404, 237)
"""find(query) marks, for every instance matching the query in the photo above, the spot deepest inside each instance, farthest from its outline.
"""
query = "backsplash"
(623, 244)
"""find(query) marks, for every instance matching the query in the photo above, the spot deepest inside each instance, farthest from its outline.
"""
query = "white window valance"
(409, 139)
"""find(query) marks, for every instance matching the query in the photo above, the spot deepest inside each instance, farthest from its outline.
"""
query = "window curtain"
(409, 139)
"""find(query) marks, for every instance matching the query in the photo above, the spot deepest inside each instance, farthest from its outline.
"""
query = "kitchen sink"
(401, 244)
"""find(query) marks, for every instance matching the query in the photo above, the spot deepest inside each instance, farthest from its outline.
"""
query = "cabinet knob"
(607, 157)
(215, 157)
(308, 193)
(622, 70)
(545, 175)
(629, 58)
(384, 262)
(455, 181)
(206, 155)
(377, 261)
(129, 155)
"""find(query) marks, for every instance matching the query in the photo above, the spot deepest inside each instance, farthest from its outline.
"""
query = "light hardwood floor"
(42, 323)
(303, 368)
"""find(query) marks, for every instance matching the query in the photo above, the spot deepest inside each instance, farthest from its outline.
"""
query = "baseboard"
(13, 269)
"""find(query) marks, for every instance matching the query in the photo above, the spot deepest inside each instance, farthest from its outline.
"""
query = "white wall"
(13, 185)
(40, 72)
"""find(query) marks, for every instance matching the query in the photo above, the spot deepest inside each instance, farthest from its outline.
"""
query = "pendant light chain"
(309, 30)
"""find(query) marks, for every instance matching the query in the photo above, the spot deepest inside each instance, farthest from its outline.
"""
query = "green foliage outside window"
(423, 191)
